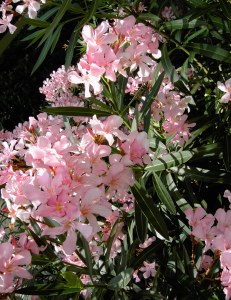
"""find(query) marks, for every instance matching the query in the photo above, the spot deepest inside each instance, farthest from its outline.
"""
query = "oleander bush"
(119, 188)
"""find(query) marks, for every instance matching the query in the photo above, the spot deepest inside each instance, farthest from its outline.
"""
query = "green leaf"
(50, 289)
(183, 24)
(99, 103)
(200, 32)
(43, 53)
(63, 8)
(76, 111)
(179, 199)
(151, 95)
(163, 194)
(226, 8)
(121, 281)
(71, 45)
(141, 224)
(88, 255)
(72, 279)
(227, 152)
(208, 152)
(169, 160)
(56, 36)
(37, 34)
(211, 51)
(203, 175)
(168, 66)
(36, 22)
(150, 210)
(110, 242)
(121, 85)
(149, 16)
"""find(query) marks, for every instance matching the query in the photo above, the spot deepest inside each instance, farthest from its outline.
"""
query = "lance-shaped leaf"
(121, 281)
(88, 255)
(50, 289)
(169, 160)
(179, 199)
(47, 46)
(163, 194)
(150, 210)
(36, 22)
(227, 152)
(204, 175)
(63, 8)
(226, 8)
(211, 51)
(151, 96)
(168, 66)
(72, 279)
(183, 24)
(76, 111)
(141, 224)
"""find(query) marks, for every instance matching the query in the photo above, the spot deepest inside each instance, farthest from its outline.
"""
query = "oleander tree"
(120, 187)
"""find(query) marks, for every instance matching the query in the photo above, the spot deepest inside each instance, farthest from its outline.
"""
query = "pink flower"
(91, 206)
(5, 22)
(89, 75)
(148, 269)
(32, 5)
(99, 36)
(108, 128)
(225, 88)
(168, 13)
(11, 264)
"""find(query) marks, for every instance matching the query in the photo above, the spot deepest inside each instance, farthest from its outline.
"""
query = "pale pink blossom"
(226, 88)
(149, 269)
(32, 6)
(5, 23)
(11, 265)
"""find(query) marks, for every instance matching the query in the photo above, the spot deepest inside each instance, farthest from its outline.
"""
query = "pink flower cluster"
(58, 90)
(128, 49)
(15, 255)
(125, 47)
(215, 232)
(71, 183)
(170, 107)
(8, 12)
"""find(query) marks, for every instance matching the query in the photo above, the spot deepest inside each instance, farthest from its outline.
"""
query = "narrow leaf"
(168, 66)
(150, 210)
(163, 194)
(36, 22)
(43, 53)
(151, 95)
(49, 290)
(63, 8)
(141, 224)
(169, 160)
(88, 255)
(211, 51)
(203, 175)
(121, 281)
(227, 152)
(75, 111)
(183, 24)
(179, 199)
(226, 8)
